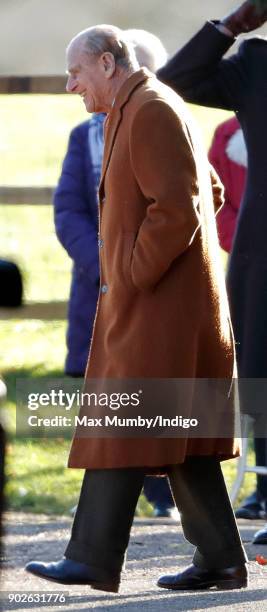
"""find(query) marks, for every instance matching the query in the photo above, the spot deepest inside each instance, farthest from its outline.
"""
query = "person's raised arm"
(198, 71)
(247, 17)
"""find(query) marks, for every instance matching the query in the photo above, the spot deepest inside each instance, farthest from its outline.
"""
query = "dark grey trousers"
(102, 523)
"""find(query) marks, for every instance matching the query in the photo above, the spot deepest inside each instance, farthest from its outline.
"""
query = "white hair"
(108, 39)
(149, 50)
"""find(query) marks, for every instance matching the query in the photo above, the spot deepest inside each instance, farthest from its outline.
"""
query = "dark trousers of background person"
(157, 492)
(101, 527)
(260, 445)
(252, 397)
(2, 453)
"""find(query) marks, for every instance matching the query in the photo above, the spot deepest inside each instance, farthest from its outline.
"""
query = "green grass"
(28, 238)
(34, 134)
(41, 483)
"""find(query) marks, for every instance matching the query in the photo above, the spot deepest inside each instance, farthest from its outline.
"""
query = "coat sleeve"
(200, 75)
(76, 228)
(164, 167)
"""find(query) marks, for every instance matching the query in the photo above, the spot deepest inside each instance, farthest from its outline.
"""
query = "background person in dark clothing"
(200, 74)
(2, 460)
(228, 155)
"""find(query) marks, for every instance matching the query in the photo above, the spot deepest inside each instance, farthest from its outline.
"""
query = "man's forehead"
(73, 50)
(76, 57)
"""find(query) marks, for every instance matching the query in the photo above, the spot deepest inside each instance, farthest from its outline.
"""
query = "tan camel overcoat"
(162, 309)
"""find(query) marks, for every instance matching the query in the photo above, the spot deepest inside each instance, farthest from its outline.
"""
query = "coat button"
(100, 243)
(104, 289)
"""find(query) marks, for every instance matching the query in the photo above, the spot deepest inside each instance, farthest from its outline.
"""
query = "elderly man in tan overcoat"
(162, 314)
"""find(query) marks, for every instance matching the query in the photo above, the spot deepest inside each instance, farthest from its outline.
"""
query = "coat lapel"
(112, 123)
(114, 118)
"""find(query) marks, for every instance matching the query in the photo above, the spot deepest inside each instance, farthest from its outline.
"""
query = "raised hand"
(247, 17)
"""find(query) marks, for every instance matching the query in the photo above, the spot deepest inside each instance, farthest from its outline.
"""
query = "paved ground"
(157, 546)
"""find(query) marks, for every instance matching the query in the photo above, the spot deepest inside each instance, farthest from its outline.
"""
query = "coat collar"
(129, 86)
(114, 117)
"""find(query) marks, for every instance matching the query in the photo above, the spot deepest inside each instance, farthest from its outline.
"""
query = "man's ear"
(108, 64)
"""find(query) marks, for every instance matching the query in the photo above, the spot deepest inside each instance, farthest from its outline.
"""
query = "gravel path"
(157, 546)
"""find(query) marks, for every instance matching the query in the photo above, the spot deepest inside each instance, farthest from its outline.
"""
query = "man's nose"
(71, 86)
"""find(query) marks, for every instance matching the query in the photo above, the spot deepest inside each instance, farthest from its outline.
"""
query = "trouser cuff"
(100, 570)
(220, 559)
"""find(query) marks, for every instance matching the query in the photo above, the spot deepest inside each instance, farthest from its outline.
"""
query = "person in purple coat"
(76, 222)
(75, 205)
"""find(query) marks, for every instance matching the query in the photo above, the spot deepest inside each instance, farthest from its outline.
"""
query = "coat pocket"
(129, 239)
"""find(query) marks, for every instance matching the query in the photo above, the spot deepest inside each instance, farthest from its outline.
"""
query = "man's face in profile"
(86, 77)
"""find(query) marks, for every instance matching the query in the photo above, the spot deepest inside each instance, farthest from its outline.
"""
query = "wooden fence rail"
(45, 311)
(33, 84)
(26, 195)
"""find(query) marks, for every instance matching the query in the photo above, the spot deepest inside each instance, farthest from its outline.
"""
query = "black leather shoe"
(252, 507)
(260, 536)
(194, 578)
(67, 571)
